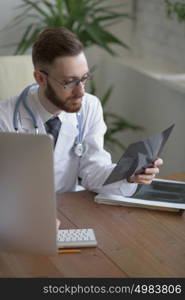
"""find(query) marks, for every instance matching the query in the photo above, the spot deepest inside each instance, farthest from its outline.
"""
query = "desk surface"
(132, 242)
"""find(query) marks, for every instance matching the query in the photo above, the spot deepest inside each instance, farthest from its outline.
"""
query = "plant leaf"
(107, 95)
(37, 8)
(112, 142)
(21, 44)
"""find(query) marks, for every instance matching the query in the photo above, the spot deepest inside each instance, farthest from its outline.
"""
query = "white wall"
(8, 37)
(157, 37)
(152, 35)
(152, 104)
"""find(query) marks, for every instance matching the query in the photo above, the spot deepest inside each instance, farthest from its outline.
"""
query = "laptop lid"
(27, 194)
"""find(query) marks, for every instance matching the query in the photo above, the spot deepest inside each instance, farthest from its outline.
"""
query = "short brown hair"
(55, 42)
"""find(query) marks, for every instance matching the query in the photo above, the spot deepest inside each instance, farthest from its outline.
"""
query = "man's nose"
(80, 87)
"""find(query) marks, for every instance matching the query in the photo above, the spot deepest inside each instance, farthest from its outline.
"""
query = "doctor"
(61, 72)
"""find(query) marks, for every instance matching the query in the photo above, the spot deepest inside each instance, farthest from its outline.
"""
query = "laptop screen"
(27, 195)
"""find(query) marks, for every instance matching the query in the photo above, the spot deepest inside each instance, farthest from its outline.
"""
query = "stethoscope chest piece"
(78, 149)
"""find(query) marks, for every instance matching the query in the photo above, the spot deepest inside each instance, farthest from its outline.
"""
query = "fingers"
(158, 162)
(57, 223)
(151, 171)
(143, 179)
(148, 175)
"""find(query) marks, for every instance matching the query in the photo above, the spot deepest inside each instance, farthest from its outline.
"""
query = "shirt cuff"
(122, 187)
(128, 189)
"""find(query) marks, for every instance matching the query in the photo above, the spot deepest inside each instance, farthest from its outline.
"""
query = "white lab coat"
(94, 166)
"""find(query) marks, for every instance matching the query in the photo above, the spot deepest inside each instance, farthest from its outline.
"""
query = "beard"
(66, 105)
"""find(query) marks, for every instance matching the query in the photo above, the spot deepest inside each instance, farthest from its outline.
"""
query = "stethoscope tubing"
(22, 100)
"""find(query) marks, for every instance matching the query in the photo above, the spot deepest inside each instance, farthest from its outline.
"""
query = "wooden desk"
(132, 242)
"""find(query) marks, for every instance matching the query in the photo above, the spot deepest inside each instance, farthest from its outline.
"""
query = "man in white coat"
(61, 72)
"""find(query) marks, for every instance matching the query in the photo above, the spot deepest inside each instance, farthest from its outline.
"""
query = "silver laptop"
(27, 194)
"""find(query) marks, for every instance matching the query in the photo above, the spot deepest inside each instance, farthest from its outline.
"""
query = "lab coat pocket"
(66, 172)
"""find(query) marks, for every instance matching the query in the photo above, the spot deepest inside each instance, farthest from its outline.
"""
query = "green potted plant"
(90, 20)
(176, 8)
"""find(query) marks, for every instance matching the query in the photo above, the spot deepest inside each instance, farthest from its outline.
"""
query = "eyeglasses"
(70, 84)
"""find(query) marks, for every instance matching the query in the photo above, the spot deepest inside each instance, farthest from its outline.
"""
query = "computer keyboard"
(72, 238)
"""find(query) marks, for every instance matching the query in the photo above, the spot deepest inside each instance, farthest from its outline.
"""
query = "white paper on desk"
(160, 193)
(125, 201)
(138, 156)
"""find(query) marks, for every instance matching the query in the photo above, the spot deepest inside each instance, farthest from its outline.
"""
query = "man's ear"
(39, 77)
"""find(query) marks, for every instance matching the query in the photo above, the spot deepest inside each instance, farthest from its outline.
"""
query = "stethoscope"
(78, 147)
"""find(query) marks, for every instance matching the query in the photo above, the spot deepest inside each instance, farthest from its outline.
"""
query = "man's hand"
(148, 175)
(57, 223)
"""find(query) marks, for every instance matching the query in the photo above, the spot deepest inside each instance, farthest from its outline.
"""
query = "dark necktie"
(53, 127)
